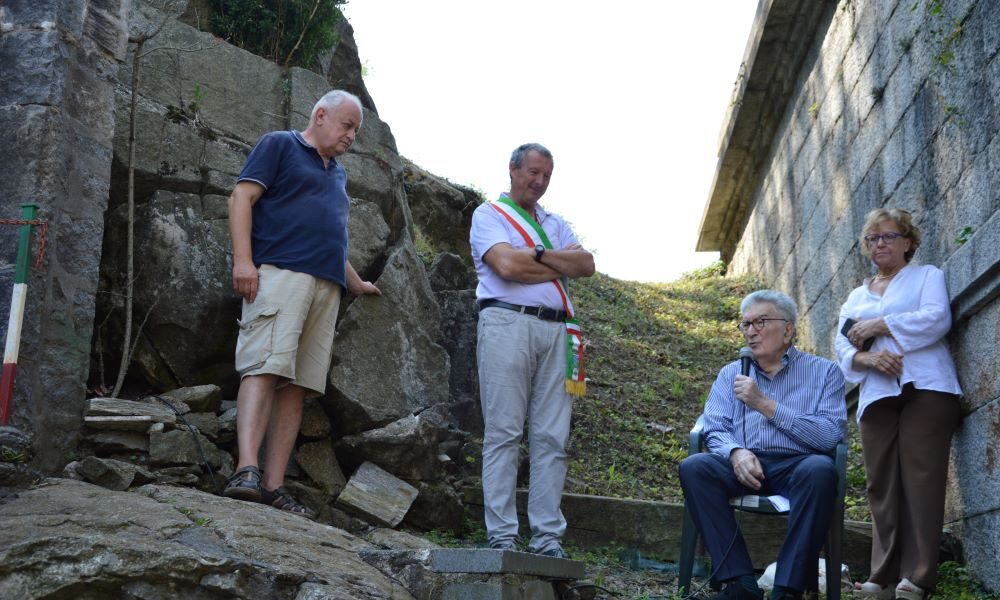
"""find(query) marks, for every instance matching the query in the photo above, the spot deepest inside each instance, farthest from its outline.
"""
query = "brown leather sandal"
(282, 500)
(244, 485)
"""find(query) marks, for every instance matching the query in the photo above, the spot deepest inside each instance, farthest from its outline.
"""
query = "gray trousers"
(522, 373)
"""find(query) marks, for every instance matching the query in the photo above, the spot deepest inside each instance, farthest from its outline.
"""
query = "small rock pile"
(187, 437)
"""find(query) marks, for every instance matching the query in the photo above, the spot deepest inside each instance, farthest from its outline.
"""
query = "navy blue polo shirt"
(300, 221)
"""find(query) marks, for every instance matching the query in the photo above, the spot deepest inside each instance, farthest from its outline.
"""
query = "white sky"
(628, 95)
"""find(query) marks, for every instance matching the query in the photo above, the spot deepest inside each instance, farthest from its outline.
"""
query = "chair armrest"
(840, 460)
(697, 436)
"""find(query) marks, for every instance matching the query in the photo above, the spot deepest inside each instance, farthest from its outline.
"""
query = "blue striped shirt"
(811, 416)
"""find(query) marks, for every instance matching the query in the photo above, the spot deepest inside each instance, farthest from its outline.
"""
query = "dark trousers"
(809, 481)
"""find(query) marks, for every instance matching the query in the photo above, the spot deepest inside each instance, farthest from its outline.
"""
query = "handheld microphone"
(746, 355)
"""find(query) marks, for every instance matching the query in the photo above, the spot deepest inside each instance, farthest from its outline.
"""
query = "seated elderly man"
(771, 432)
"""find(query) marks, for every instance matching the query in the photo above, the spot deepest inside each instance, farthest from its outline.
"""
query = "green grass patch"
(653, 352)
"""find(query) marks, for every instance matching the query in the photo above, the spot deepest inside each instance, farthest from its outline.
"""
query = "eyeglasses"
(874, 238)
(758, 324)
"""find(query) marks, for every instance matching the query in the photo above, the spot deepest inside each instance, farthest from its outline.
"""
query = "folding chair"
(761, 505)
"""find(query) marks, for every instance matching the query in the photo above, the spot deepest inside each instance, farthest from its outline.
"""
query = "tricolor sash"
(533, 235)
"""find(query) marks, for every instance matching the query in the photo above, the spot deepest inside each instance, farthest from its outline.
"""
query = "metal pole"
(18, 294)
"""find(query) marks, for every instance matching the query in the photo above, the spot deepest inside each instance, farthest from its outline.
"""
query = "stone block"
(40, 73)
(113, 474)
(407, 448)
(973, 279)
(377, 495)
(320, 464)
(368, 235)
(315, 422)
(199, 398)
(526, 590)
(139, 423)
(178, 447)
(487, 560)
(115, 407)
(118, 442)
(980, 535)
(194, 67)
(974, 477)
(207, 423)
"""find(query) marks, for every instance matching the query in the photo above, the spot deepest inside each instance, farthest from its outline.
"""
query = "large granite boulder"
(387, 363)
(70, 539)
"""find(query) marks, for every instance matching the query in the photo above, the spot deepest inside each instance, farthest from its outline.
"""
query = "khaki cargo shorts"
(288, 329)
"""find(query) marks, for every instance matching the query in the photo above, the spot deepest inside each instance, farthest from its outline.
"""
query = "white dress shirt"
(916, 310)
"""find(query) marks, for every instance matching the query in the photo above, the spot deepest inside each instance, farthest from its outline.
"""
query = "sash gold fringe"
(576, 388)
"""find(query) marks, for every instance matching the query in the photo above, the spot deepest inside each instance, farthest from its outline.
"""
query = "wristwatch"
(539, 251)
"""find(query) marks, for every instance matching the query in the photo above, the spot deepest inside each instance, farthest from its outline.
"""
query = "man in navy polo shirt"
(288, 220)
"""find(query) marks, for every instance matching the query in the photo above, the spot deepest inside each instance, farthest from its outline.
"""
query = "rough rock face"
(442, 210)
(190, 147)
(56, 123)
(70, 539)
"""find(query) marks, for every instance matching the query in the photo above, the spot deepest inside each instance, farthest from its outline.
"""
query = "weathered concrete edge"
(487, 560)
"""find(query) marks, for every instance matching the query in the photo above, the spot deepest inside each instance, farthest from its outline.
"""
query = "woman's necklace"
(880, 277)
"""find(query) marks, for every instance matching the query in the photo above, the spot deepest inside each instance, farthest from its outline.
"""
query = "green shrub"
(289, 32)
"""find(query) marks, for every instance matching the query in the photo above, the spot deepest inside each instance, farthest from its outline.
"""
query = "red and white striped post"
(16, 314)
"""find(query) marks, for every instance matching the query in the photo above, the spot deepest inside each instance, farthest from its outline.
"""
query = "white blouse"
(916, 310)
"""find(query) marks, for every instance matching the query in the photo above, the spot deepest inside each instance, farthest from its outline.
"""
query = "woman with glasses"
(891, 342)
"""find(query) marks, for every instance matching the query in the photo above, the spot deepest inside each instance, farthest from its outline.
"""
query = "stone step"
(476, 573)
(654, 528)
(487, 560)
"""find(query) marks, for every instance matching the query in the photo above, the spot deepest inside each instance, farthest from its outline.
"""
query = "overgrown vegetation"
(956, 583)
(289, 32)
(653, 352)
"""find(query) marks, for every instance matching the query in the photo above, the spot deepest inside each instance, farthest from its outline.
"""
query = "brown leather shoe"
(282, 500)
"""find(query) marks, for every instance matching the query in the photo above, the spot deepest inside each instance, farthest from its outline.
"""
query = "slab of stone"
(110, 442)
(378, 495)
(178, 447)
(315, 423)
(206, 423)
(113, 474)
(97, 407)
(488, 560)
(320, 464)
(526, 590)
(126, 423)
(200, 398)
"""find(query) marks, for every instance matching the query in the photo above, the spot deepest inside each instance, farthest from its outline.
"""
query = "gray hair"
(517, 157)
(332, 99)
(781, 301)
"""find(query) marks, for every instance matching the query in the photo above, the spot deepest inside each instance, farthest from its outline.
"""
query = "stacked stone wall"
(898, 106)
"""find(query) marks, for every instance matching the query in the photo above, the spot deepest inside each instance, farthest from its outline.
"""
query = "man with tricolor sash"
(530, 349)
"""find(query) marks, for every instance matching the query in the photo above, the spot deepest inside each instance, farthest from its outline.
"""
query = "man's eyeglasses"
(758, 324)
(874, 238)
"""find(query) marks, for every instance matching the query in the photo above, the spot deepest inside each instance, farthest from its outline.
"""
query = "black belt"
(546, 314)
